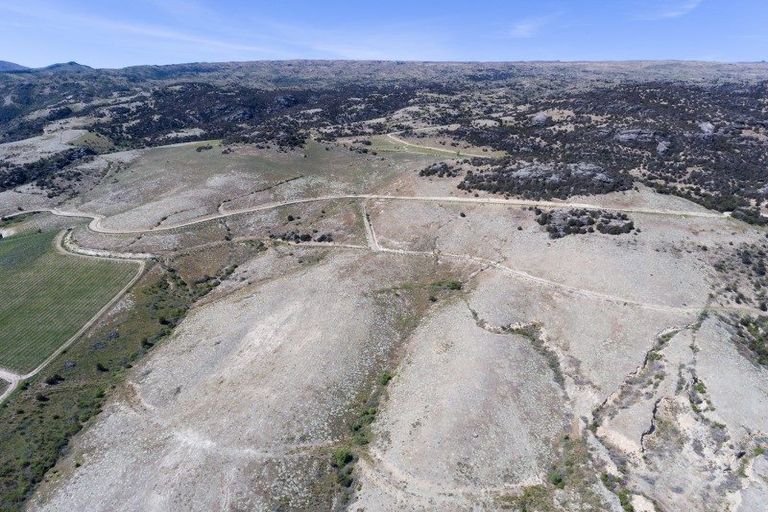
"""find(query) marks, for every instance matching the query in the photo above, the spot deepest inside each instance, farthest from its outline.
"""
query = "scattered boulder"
(707, 128)
(635, 135)
(540, 118)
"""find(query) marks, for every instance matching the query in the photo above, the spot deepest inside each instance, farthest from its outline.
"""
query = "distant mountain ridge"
(67, 67)
(297, 73)
(11, 66)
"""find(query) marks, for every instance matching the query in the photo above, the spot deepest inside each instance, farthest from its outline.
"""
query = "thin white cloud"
(675, 11)
(202, 43)
(262, 39)
(669, 9)
(531, 26)
(158, 32)
(405, 41)
(526, 28)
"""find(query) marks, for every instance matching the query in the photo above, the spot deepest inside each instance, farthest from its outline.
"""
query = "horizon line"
(396, 61)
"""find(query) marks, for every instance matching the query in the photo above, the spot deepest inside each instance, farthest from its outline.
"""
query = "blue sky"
(110, 33)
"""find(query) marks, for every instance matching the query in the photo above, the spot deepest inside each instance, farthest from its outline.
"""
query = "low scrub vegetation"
(578, 221)
(752, 334)
(570, 484)
(46, 411)
(540, 181)
(47, 173)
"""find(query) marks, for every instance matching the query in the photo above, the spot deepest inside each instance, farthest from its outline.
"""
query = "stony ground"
(435, 356)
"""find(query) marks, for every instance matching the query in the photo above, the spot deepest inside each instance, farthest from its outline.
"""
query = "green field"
(94, 141)
(45, 411)
(47, 296)
(384, 144)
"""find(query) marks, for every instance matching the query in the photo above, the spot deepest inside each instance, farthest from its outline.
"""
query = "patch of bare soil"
(252, 394)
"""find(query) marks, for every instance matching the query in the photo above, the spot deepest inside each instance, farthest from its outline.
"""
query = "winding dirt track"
(61, 247)
(456, 153)
(97, 220)
(64, 245)
(375, 246)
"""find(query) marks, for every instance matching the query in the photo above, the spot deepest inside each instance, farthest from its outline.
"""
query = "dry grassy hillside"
(389, 286)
